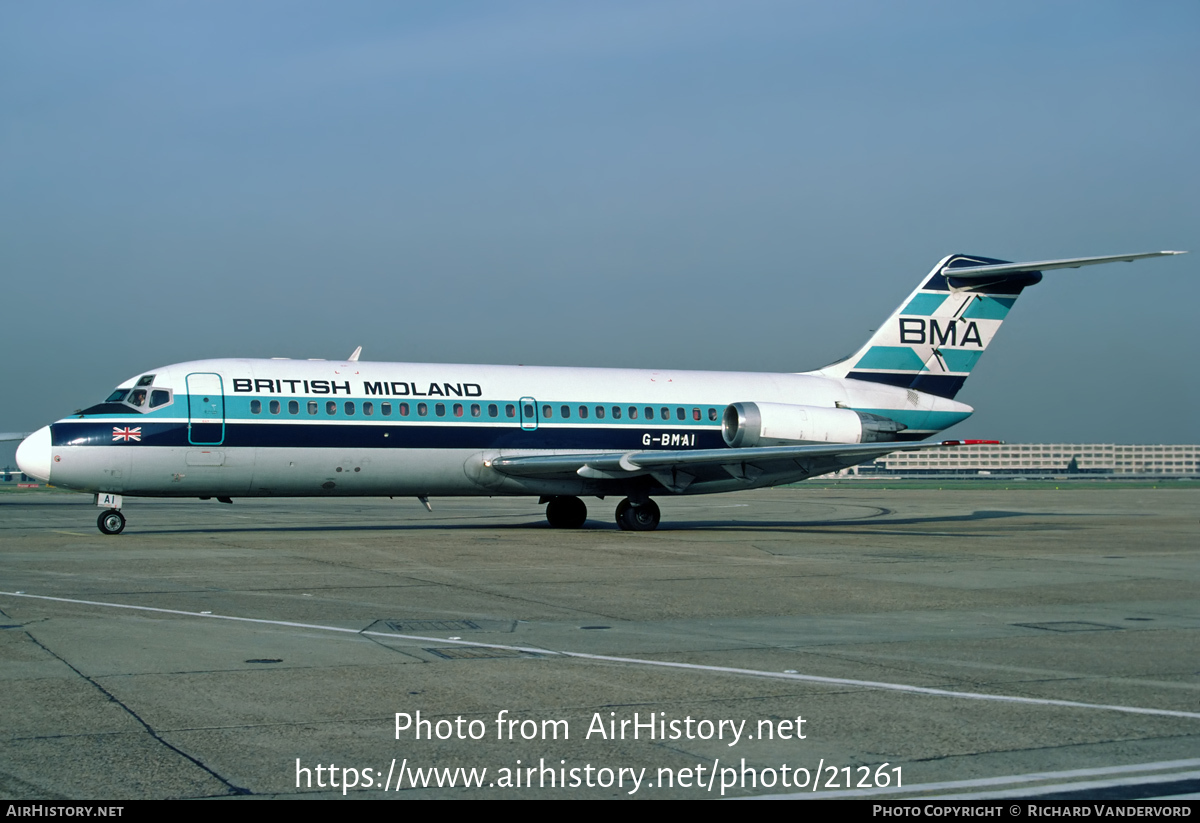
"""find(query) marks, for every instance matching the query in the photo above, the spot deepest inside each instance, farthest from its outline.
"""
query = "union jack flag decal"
(126, 434)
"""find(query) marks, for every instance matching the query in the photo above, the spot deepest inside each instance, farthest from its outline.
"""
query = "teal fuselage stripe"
(237, 409)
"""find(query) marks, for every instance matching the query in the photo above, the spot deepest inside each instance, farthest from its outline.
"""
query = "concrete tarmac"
(978, 643)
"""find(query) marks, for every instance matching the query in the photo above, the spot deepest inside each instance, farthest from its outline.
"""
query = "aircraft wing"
(14, 435)
(672, 467)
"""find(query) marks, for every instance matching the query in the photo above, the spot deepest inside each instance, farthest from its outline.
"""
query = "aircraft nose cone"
(33, 455)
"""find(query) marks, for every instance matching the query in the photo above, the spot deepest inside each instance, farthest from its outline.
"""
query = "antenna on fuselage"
(354, 357)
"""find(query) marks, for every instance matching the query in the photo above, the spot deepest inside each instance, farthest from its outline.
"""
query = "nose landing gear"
(111, 521)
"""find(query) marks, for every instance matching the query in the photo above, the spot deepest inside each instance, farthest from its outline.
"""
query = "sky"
(749, 186)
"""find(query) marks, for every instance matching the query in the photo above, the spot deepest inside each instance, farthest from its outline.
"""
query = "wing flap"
(743, 464)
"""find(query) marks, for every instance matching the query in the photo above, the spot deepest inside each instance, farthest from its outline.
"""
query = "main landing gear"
(570, 513)
(566, 512)
(111, 521)
(642, 516)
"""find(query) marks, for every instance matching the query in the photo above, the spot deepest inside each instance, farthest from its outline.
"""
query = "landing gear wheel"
(111, 522)
(566, 512)
(638, 517)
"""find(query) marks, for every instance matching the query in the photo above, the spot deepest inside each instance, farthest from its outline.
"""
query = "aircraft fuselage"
(242, 428)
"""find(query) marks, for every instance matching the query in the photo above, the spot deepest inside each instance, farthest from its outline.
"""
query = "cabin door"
(206, 409)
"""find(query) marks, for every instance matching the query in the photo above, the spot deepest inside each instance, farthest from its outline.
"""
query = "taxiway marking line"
(667, 664)
(1033, 792)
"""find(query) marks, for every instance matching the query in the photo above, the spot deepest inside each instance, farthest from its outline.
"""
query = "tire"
(566, 512)
(643, 517)
(111, 522)
(622, 509)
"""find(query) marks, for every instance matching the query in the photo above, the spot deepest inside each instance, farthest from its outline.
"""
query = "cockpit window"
(135, 399)
(145, 380)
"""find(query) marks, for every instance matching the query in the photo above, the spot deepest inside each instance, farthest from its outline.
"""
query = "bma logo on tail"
(918, 330)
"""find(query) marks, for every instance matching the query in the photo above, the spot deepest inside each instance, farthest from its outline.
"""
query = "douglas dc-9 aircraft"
(288, 428)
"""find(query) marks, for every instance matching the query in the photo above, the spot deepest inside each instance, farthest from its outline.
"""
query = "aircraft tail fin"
(938, 334)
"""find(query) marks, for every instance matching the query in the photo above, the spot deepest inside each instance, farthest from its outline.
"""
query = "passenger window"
(368, 408)
(679, 414)
(712, 414)
(546, 412)
(599, 412)
(256, 407)
(616, 412)
(349, 407)
(312, 406)
(274, 406)
(695, 414)
(633, 412)
(476, 411)
(529, 411)
(331, 407)
(385, 409)
(440, 409)
(666, 413)
(458, 409)
(649, 412)
(404, 410)
(583, 412)
(422, 409)
(293, 407)
(493, 410)
(159, 397)
(565, 410)
(510, 410)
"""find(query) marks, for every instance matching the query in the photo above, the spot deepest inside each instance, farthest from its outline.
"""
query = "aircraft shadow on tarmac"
(874, 522)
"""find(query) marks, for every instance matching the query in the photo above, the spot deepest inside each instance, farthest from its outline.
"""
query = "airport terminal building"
(1041, 460)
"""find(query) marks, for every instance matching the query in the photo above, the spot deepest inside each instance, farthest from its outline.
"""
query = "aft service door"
(206, 410)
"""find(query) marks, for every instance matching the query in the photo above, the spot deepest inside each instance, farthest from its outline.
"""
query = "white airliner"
(296, 428)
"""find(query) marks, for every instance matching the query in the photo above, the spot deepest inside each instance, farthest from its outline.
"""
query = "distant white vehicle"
(286, 428)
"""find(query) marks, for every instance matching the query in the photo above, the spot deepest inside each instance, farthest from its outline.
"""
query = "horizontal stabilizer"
(975, 272)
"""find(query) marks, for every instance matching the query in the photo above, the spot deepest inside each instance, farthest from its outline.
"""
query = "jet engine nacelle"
(783, 424)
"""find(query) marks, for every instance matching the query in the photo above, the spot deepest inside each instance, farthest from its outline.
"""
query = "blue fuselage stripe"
(375, 436)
